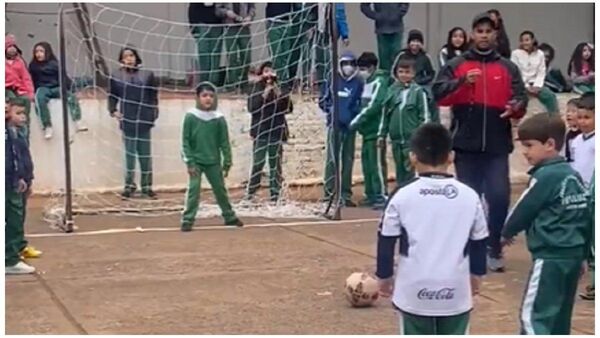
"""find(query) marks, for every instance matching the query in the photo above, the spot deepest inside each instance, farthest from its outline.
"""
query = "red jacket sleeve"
(26, 82)
(447, 87)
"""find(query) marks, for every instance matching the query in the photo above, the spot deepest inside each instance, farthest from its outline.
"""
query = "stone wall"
(98, 158)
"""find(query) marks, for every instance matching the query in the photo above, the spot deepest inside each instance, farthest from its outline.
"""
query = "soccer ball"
(361, 289)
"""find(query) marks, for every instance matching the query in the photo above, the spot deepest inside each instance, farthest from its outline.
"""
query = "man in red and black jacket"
(485, 92)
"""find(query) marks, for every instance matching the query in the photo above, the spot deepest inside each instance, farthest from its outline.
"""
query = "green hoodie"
(205, 138)
(374, 92)
(406, 107)
(553, 211)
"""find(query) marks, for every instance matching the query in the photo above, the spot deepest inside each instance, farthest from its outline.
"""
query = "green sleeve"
(423, 107)
(186, 151)
(385, 117)
(225, 146)
(373, 109)
(528, 206)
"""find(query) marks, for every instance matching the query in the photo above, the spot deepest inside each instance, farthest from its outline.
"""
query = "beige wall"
(561, 24)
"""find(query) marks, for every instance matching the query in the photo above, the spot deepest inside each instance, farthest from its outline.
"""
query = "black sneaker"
(236, 222)
(186, 227)
(349, 204)
(126, 194)
(149, 195)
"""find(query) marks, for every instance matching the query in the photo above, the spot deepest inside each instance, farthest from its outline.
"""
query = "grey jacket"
(246, 9)
(388, 16)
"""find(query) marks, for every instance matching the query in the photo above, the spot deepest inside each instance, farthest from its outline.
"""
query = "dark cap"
(483, 17)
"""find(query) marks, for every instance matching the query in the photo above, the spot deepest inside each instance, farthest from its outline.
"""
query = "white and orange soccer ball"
(361, 290)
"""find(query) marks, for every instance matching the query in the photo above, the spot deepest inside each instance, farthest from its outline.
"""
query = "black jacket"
(424, 72)
(279, 9)
(136, 93)
(46, 74)
(199, 13)
(476, 108)
(17, 160)
(268, 115)
(388, 16)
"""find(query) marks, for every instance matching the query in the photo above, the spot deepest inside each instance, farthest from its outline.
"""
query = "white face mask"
(365, 74)
(348, 70)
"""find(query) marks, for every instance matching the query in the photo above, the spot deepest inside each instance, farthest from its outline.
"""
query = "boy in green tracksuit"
(590, 290)
(405, 108)
(553, 211)
(367, 122)
(205, 139)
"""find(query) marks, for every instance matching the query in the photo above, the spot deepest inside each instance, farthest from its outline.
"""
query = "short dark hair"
(138, 59)
(586, 101)
(15, 101)
(573, 102)
(542, 127)
(404, 62)
(367, 59)
(264, 65)
(431, 143)
(545, 47)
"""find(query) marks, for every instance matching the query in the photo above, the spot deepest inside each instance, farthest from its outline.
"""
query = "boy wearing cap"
(424, 72)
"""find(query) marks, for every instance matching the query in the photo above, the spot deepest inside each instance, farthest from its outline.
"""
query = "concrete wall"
(119, 23)
(98, 157)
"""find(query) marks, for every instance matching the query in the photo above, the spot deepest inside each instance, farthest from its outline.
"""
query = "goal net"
(106, 160)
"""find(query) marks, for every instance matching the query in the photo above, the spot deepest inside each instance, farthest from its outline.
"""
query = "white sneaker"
(48, 133)
(19, 269)
(79, 126)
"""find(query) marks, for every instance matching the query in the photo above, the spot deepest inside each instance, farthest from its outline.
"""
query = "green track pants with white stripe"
(549, 296)
(411, 324)
(373, 162)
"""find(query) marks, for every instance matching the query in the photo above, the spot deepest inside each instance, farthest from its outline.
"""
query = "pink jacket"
(16, 74)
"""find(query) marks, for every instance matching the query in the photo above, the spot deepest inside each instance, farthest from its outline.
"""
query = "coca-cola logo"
(441, 294)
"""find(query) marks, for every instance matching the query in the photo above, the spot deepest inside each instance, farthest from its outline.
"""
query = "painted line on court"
(213, 227)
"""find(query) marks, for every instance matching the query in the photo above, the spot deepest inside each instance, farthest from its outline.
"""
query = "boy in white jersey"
(582, 148)
(441, 227)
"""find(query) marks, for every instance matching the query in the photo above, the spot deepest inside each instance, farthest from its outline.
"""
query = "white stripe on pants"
(530, 294)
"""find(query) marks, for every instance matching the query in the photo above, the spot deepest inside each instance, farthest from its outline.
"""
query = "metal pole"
(68, 221)
(335, 113)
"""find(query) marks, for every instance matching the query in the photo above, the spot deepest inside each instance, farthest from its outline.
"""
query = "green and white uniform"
(205, 141)
(405, 108)
(367, 122)
(553, 211)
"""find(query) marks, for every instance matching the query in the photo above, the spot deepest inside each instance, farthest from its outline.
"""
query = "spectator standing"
(206, 24)
(133, 101)
(456, 44)
(581, 68)
(389, 27)
(532, 65)
(323, 39)
(482, 105)
(502, 42)
(282, 29)
(423, 68)
(237, 41)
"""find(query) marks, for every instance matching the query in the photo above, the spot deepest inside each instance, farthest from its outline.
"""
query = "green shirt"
(553, 211)
(205, 138)
(373, 95)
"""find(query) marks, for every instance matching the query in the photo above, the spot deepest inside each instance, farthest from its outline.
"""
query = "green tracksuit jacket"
(374, 93)
(554, 212)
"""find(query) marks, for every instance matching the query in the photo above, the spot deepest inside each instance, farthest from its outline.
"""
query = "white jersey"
(583, 152)
(434, 216)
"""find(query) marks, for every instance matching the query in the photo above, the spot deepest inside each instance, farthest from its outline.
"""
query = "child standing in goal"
(206, 150)
(441, 227)
(553, 211)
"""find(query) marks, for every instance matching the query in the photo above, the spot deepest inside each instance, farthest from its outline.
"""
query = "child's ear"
(412, 158)
(451, 157)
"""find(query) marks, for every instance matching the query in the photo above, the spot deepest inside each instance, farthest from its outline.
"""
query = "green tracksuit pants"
(344, 151)
(282, 40)
(138, 146)
(548, 100)
(11, 95)
(239, 47)
(209, 41)
(411, 324)
(261, 149)
(214, 175)
(404, 171)
(14, 240)
(388, 47)
(43, 95)
(373, 164)
(549, 296)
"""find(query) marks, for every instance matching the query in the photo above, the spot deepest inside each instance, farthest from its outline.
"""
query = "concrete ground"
(281, 279)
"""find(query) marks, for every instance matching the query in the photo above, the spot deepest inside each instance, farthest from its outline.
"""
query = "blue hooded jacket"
(349, 94)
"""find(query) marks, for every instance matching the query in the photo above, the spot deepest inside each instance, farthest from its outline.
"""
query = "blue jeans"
(488, 175)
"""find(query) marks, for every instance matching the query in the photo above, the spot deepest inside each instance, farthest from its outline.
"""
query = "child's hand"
(475, 285)
(21, 186)
(386, 287)
(226, 171)
(380, 142)
(28, 192)
(192, 171)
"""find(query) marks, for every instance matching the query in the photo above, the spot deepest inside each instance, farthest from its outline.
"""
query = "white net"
(113, 157)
